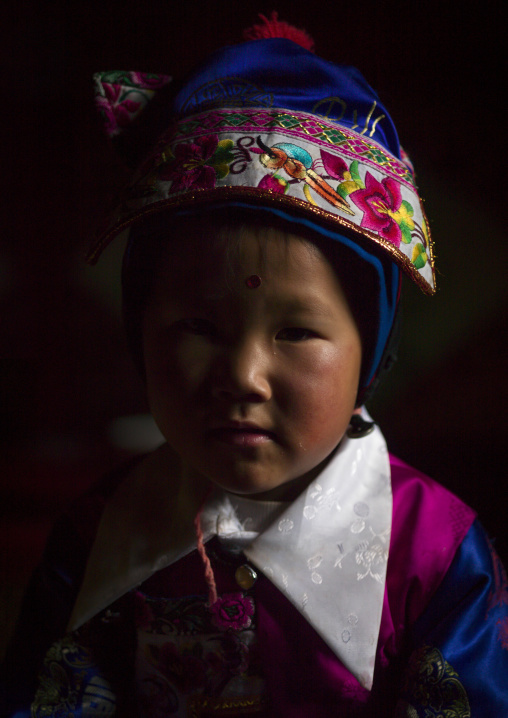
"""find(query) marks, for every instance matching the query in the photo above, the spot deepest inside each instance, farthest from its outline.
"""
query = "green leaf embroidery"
(222, 154)
(408, 207)
(406, 233)
(221, 171)
(355, 174)
(341, 190)
(419, 257)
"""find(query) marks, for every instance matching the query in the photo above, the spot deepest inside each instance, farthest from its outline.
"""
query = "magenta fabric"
(305, 679)
(429, 524)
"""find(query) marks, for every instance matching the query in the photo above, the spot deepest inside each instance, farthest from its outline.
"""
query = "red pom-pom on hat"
(273, 27)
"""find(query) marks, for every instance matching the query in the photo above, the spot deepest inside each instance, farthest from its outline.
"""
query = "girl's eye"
(199, 327)
(295, 334)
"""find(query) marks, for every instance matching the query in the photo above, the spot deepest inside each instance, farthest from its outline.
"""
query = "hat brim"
(338, 178)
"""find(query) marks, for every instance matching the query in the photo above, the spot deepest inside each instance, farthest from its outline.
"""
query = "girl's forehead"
(225, 254)
(230, 245)
(256, 267)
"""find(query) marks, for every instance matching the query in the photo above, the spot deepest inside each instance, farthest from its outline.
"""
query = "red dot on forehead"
(253, 281)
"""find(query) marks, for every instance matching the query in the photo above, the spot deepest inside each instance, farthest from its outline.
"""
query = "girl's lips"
(240, 433)
(239, 437)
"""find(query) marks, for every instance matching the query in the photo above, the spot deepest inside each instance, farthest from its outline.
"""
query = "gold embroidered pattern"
(204, 707)
(329, 105)
(432, 688)
(69, 682)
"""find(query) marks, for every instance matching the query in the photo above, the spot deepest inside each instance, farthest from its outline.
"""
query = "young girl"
(271, 558)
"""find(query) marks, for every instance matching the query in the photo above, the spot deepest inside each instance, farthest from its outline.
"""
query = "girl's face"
(252, 387)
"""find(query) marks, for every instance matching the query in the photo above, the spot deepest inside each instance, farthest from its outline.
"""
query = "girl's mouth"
(241, 433)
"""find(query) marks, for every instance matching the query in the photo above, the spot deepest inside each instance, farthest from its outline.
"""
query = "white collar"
(327, 552)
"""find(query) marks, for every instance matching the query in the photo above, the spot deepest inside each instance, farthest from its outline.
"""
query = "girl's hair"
(149, 240)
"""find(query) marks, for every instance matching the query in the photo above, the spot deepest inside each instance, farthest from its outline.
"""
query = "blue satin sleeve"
(460, 663)
(43, 616)
(51, 594)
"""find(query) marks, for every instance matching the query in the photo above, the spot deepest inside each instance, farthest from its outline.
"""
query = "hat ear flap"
(407, 160)
(121, 97)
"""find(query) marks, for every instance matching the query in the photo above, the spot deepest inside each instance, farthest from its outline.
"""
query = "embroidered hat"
(269, 123)
(268, 126)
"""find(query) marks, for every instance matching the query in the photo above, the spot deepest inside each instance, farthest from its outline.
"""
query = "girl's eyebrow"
(310, 305)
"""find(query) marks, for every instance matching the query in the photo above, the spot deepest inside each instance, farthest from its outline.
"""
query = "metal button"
(245, 576)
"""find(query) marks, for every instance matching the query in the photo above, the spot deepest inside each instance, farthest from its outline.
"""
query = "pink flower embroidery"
(198, 163)
(335, 166)
(338, 169)
(274, 183)
(383, 208)
(232, 611)
(116, 107)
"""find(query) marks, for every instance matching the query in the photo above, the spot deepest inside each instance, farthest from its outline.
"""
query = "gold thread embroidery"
(368, 118)
(331, 101)
(69, 680)
(375, 123)
(204, 706)
(432, 684)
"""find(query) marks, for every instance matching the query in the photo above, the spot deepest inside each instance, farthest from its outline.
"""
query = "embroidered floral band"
(291, 160)
(122, 96)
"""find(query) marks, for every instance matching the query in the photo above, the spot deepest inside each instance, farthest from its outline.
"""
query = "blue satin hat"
(267, 124)
(277, 72)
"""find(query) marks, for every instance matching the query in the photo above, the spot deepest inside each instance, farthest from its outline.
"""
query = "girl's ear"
(121, 97)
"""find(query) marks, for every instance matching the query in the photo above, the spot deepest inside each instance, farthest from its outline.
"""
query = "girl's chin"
(285, 491)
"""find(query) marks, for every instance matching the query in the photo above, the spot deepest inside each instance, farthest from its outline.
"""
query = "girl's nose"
(241, 374)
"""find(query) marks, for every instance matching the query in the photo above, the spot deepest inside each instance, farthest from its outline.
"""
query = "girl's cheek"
(324, 390)
(182, 364)
(327, 371)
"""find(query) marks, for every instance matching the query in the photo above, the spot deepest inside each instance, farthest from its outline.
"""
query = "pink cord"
(209, 575)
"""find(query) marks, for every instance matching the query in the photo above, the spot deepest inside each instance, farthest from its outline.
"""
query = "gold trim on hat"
(287, 202)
